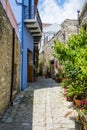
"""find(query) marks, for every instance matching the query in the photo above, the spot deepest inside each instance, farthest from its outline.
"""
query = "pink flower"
(81, 108)
(84, 102)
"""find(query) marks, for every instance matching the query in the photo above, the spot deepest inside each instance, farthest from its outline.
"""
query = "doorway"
(29, 66)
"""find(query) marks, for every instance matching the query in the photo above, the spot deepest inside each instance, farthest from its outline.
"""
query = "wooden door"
(29, 66)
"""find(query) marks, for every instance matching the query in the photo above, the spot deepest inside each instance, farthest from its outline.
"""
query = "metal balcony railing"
(31, 12)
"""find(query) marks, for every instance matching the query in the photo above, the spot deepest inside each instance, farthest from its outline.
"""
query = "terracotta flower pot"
(77, 102)
(63, 79)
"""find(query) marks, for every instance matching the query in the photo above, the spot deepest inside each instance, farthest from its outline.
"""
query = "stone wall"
(6, 34)
(48, 51)
(68, 27)
(83, 15)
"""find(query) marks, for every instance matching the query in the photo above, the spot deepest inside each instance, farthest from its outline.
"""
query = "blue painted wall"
(26, 39)
(31, 9)
(28, 44)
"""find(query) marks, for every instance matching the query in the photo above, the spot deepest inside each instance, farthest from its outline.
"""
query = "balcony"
(33, 22)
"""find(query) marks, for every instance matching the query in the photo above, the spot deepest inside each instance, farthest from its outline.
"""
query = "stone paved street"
(40, 107)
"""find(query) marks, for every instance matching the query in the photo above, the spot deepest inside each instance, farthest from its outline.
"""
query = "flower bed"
(73, 58)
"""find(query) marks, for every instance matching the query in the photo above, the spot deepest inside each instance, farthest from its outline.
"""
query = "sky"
(52, 11)
(56, 11)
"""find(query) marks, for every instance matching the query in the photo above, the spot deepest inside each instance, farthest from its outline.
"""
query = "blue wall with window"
(26, 38)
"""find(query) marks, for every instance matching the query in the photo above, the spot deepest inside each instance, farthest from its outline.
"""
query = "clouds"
(53, 12)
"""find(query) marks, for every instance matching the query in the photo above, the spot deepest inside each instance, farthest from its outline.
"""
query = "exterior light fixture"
(78, 12)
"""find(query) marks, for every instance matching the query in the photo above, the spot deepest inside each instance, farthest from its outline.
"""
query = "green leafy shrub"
(73, 58)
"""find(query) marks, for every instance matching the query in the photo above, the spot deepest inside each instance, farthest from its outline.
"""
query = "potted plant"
(77, 101)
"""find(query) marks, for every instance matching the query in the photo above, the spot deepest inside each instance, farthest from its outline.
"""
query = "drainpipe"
(22, 40)
(12, 72)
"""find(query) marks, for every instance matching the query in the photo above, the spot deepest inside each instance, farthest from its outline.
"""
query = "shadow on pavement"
(20, 115)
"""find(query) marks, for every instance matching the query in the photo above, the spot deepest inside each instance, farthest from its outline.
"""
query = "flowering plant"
(84, 104)
(83, 109)
(81, 112)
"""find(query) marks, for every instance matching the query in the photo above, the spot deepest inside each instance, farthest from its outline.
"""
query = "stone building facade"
(68, 27)
(49, 31)
(83, 15)
(9, 61)
(48, 55)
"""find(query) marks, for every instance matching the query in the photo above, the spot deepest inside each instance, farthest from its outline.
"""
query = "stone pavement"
(40, 107)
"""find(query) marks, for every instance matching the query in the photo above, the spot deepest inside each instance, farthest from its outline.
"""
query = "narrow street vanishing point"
(41, 106)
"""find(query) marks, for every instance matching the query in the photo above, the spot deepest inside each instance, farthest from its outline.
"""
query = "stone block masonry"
(68, 27)
(6, 35)
(41, 106)
(83, 14)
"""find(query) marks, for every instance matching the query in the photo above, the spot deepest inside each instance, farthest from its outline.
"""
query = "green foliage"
(73, 58)
(74, 90)
(82, 112)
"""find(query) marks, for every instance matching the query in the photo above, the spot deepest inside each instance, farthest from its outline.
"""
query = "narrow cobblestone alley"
(40, 107)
